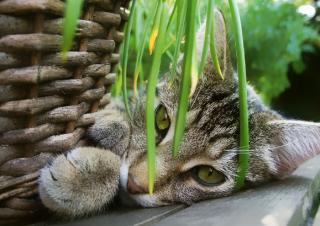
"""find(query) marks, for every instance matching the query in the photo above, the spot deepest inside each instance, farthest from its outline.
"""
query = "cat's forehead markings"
(160, 88)
(219, 148)
(191, 117)
(194, 98)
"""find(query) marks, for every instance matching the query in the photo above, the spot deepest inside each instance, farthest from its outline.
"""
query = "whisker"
(243, 151)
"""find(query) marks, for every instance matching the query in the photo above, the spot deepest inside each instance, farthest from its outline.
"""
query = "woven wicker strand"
(46, 103)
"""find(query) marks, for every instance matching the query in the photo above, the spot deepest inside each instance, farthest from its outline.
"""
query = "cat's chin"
(124, 172)
(147, 200)
(144, 200)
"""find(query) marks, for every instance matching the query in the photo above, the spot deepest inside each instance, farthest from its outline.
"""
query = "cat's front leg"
(111, 131)
(81, 182)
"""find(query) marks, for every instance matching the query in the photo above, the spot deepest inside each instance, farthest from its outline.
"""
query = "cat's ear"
(221, 43)
(296, 142)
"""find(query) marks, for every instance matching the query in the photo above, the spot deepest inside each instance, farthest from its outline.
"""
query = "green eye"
(207, 175)
(162, 122)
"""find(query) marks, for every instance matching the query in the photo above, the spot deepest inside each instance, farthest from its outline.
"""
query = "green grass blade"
(182, 10)
(154, 31)
(194, 71)
(210, 14)
(244, 124)
(116, 87)
(213, 49)
(71, 15)
(124, 58)
(172, 16)
(136, 28)
(186, 74)
(199, 15)
(151, 89)
(138, 65)
(170, 43)
(210, 40)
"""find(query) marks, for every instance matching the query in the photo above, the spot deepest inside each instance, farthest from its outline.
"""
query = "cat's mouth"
(132, 193)
(128, 182)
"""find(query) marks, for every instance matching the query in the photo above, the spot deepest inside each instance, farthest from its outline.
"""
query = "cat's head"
(206, 166)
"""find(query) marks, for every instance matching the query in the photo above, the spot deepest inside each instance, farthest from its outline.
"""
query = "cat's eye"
(207, 175)
(162, 121)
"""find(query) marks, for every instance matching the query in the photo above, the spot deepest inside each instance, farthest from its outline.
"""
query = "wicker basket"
(46, 103)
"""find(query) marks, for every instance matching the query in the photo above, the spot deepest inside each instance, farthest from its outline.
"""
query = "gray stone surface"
(126, 217)
(287, 202)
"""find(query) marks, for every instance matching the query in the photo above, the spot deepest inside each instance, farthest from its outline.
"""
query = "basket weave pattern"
(46, 103)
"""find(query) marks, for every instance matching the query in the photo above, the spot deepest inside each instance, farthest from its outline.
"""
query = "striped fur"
(277, 146)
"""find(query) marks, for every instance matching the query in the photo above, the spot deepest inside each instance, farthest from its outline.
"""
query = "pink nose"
(134, 188)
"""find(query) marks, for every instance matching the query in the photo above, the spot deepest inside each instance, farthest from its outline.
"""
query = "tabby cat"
(86, 179)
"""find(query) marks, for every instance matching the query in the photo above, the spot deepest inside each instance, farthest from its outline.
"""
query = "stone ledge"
(289, 202)
(286, 202)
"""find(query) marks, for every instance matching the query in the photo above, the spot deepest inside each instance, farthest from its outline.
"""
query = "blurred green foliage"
(275, 35)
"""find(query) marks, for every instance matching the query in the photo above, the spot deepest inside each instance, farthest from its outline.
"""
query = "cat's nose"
(133, 187)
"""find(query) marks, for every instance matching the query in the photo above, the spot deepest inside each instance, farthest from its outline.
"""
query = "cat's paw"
(81, 182)
(111, 132)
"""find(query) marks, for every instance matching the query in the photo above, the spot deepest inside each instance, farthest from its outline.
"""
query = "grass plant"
(180, 19)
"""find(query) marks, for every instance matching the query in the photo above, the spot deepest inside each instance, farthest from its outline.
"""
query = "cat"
(86, 179)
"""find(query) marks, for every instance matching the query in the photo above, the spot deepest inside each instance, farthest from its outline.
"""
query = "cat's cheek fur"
(280, 146)
(300, 142)
(80, 183)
